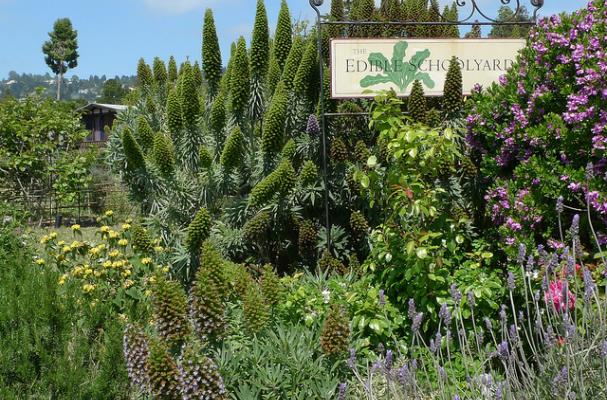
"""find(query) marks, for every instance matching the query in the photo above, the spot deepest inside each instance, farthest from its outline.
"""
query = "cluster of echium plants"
(550, 340)
(243, 144)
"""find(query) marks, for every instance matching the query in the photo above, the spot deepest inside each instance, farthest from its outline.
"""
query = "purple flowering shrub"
(553, 345)
(536, 132)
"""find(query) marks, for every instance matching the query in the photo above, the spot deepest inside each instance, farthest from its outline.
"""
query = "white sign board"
(362, 67)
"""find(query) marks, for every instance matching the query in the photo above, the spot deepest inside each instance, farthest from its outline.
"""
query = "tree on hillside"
(505, 14)
(61, 51)
(113, 92)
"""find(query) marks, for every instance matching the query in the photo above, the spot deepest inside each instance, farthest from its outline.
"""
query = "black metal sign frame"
(475, 11)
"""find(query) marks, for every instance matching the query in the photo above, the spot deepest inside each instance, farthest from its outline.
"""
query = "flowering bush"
(110, 270)
(537, 132)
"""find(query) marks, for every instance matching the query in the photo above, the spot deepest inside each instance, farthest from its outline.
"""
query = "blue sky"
(113, 34)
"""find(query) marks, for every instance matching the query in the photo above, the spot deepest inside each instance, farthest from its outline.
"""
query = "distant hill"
(74, 88)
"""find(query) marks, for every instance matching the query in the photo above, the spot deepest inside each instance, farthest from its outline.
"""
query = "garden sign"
(362, 67)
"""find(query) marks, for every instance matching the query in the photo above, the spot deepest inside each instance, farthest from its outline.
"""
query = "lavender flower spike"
(456, 295)
(511, 281)
(343, 387)
(559, 205)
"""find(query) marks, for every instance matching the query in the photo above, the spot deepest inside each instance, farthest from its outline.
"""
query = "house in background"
(96, 117)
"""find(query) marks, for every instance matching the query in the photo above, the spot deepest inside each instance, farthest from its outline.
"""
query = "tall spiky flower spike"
(211, 54)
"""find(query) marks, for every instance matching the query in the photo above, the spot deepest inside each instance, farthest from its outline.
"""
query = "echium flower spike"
(313, 127)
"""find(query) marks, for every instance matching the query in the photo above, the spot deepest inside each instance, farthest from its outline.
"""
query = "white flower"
(326, 296)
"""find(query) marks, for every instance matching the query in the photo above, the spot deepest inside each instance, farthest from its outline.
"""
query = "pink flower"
(554, 295)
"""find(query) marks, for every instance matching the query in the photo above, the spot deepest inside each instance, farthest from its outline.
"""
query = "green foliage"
(240, 82)
(164, 154)
(260, 46)
(506, 13)
(308, 174)
(145, 136)
(35, 133)
(160, 71)
(145, 78)
(293, 62)
(173, 111)
(217, 119)
(274, 121)
(233, 151)
(190, 104)
(288, 150)
(280, 182)
(256, 311)
(170, 306)
(328, 263)
(206, 300)
(453, 99)
(172, 70)
(211, 54)
(307, 73)
(61, 51)
(339, 151)
(433, 118)
(197, 74)
(141, 240)
(287, 363)
(417, 103)
(135, 161)
(163, 373)
(198, 231)
(361, 151)
(283, 35)
(270, 285)
(213, 265)
(274, 74)
(257, 227)
(335, 332)
(205, 157)
(113, 92)
(53, 344)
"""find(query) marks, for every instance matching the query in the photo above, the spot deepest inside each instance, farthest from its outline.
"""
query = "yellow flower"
(113, 234)
(107, 264)
(104, 229)
(87, 272)
(94, 251)
(129, 221)
(123, 317)
(152, 279)
(88, 288)
(128, 283)
(98, 273)
(126, 227)
(114, 253)
(77, 271)
(116, 264)
(44, 239)
(75, 245)
(62, 279)
(75, 227)
(158, 249)
(61, 243)
(40, 261)
(109, 213)
(146, 261)
(147, 292)
(52, 235)
(126, 272)
(101, 246)
(165, 269)
(67, 249)
(123, 242)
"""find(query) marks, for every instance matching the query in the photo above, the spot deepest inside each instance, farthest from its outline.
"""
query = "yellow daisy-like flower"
(62, 279)
(52, 235)
(107, 264)
(146, 261)
(113, 234)
(126, 227)
(40, 261)
(114, 253)
(104, 229)
(128, 283)
(88, 288)
(76, 245)
(123, 242)
(109, 213)
(76, 227)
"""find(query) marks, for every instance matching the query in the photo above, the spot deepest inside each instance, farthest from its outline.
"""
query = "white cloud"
(177, 6)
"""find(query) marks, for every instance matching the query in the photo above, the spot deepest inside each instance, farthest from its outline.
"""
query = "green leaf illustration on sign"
(398, 71)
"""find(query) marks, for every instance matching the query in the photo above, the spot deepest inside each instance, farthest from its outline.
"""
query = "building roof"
(105, 107)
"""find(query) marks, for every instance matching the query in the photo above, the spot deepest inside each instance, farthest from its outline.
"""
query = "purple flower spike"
(343, 387)
(456, 295)
(382, 297)
(411, 311)
(313, 128)
(559, 204)
(511, 281)
(417, 322)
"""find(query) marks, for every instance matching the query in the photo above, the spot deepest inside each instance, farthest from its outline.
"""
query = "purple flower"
(417, 322)
(343, 387)
(352, 359)
(511, 281)
(456, 295)
(444, 314)
(503, 350)
(411, 311)
(389, 360)
(471, 299)
(559, 204)
(313, 128)
(382, 297)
